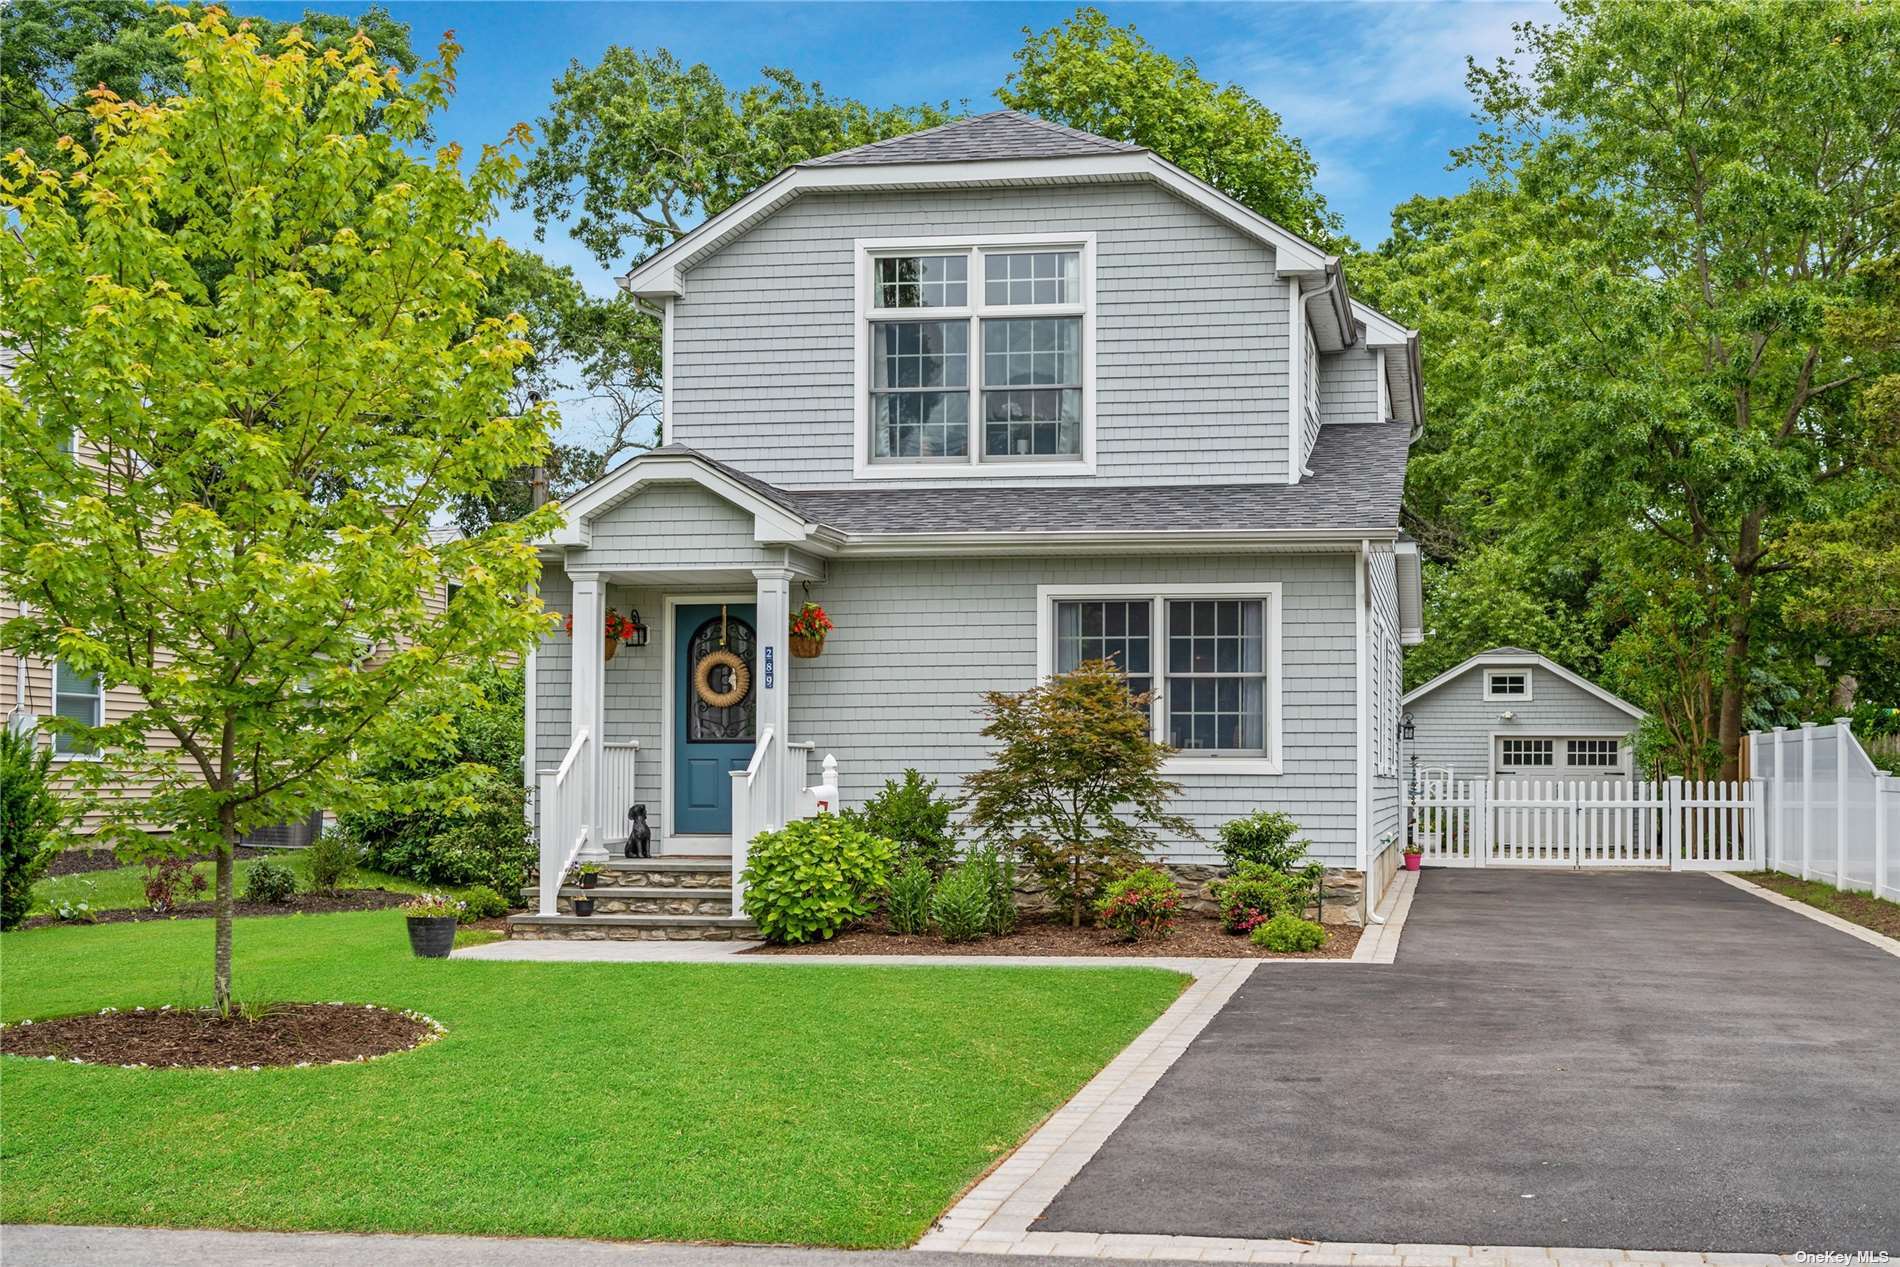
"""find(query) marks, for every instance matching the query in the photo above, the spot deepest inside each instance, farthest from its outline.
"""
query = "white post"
(1672, 823)
(1841, 735)
(1777, 828)
(1481, 821)
(773, 673)
(1883, 829)
(588, 705)
(1807, 800)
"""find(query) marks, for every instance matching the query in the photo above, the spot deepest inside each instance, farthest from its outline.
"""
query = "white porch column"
(775, 684)
(587, 701)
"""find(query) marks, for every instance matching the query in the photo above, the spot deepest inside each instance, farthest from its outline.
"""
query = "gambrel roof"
(999, 134)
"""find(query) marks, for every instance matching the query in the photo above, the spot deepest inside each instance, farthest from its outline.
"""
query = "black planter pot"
(583, 906)
(432, 936)
(588, 879)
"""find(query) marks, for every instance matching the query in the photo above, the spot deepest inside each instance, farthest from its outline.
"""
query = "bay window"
(976, 357)
(1208, 657)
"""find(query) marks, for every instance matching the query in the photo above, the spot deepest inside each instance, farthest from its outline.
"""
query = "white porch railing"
(564, 804)
(1831, 813)
(618, 789)
(762, 800)
(1685, 826)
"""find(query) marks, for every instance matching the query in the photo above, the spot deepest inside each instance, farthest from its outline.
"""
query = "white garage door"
(1560, 758)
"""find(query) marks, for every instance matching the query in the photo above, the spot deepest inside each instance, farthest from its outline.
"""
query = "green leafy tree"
(638, 148)
(54, 52)
(246, 540)
(31, 816)
(1075, 784)
(1108, 80)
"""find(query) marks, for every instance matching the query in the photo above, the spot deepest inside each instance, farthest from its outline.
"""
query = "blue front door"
(713, 732)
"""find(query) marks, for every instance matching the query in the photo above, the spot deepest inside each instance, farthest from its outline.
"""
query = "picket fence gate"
(1682, 825)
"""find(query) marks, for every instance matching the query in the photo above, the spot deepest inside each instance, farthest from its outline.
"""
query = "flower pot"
(1412, 860)
(583, 906)
(432, 936)
(589, 879)
(613, 647)
(806, 648)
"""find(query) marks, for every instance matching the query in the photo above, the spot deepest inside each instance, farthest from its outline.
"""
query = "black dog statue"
(639, 835)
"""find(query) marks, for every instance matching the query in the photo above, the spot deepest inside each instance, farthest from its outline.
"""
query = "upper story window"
(80, 698)
(978, 358)
(1507, 684)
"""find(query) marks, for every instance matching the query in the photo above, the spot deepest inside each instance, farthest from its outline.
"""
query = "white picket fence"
(1831, 814)
(1678, 824)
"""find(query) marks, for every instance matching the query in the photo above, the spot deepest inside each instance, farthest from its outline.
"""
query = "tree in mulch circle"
(1075, 785)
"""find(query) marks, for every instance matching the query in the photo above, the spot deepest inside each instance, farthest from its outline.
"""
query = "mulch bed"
(301, 904)
(1194, 938)
(81, 861)
(1856, 908)
(285, 1034)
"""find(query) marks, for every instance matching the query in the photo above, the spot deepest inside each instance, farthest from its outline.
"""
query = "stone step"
(688, 873)
(625, 900)
(630, 928)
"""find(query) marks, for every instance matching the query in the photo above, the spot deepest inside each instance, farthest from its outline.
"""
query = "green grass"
(1877, 913)
(776, 1103)
(123, 888)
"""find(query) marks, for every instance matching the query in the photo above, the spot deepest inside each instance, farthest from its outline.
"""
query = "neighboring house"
(1513, 714)
(1001, 396)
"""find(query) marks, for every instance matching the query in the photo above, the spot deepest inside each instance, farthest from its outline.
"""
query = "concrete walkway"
(1644, 1061)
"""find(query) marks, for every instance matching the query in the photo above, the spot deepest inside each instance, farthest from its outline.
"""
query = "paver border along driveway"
(1645, 1061)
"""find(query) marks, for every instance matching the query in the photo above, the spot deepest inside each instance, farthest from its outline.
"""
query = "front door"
(715, 711)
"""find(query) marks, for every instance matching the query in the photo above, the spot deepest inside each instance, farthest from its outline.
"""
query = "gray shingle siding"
(1349, 386)
(674, 525)
(1191, 367)
(1455, 722)
(1383, 617)
(918, 641)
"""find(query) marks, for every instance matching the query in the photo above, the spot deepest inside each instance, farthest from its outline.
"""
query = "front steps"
(644, 899)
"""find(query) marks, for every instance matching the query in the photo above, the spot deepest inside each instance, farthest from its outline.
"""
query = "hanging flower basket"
(619, 629)
(809, 628)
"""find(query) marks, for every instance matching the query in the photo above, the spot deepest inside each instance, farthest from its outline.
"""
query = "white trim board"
(1525, 659)
(1157, 595)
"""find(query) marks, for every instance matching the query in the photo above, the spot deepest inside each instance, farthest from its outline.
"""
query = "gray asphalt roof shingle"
(997, 135)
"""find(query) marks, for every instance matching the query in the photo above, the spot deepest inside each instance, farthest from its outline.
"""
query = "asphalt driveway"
(1619, 1060)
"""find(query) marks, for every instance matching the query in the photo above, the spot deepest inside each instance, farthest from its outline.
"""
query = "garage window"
(1507, 684)
(1526, 752)
(1596, 753)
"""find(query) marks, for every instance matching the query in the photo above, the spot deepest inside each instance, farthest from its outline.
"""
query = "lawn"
(1865, 909)
(123, 888)
(768, 1103)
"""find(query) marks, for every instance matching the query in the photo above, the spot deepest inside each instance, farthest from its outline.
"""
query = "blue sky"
(1375, 90)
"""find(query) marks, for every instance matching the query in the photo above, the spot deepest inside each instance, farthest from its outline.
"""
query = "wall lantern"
(636, 632)
(1406, 728)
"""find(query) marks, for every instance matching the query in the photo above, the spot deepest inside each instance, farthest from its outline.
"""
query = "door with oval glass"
(715, 712)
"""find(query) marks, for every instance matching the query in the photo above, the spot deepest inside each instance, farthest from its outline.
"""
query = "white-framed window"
(1517, 753)
(1602, 754)
(1209, 655)
(81, 698)
(1507, 684)
(975, 357)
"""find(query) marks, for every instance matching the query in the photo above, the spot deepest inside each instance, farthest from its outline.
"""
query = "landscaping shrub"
(1075, 785)
(1141, 905)
(270, 882)
(907, 907)
(482, 902)
(998, 870)
(813, 876)
(332, 860)
(1263, 837)
(912, 814)
(1255, 893)
(31, 816)
(1287, 933)
(961, 905)
(165, 877)
(479, 837)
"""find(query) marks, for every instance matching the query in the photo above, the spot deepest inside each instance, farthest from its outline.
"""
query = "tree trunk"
(227, 869)
(1075, 893)
(1734, 690)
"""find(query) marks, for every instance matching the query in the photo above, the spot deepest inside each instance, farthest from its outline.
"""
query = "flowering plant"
(434, 906)
(1141, 905)
(618, 626)
(810, 621)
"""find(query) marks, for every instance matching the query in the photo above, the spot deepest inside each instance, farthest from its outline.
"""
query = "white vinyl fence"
(1678, 824)
(1831, 814)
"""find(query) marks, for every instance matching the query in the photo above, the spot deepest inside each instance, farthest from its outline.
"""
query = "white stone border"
(1879, 941)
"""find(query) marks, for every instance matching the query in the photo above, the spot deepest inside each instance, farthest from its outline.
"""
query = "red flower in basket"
(809, 627)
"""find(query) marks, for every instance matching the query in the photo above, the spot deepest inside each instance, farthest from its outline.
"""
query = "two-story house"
(1001, 396)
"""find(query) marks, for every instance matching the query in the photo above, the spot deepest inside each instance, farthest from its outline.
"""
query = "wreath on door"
(739, 683)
